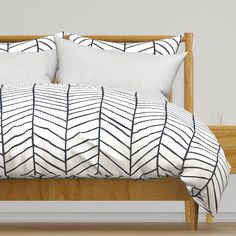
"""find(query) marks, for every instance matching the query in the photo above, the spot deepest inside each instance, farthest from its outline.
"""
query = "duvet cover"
(77, 131)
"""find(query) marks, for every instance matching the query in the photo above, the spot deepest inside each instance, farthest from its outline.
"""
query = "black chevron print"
(3, 160)
(33, 112)
(167, 46)
(37, 45)
(78, 131)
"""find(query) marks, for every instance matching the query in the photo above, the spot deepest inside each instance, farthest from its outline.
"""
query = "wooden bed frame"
(168, 188)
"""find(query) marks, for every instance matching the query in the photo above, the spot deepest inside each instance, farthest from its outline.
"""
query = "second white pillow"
(147, 74)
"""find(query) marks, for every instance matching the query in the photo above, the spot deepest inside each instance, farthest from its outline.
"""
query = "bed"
(168, 189)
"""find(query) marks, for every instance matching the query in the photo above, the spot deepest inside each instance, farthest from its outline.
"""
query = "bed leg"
(187, 212)
(194, 214)
(209, 218)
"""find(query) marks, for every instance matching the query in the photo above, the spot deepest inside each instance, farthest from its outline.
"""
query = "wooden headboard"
(188, 63)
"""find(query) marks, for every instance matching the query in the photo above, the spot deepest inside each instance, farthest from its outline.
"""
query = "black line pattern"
(67, 121)
(3, 160)
(99, 129)
(75, 131)
(159, 47)
(132, 133)
(37, 45)
(33, 111)
(160, 140)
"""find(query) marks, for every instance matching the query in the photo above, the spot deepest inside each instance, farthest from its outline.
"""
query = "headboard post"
(188, 73)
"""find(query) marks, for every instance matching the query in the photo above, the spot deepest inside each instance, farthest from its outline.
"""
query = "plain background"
(213, 24)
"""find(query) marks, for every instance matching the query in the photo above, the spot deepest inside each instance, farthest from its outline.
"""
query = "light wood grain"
(209, 219)
(93, 189)
(187, 212)
(188, 73)
(170, 97)
(226, 135)
(115, 229)
(194, 208)
(113, 38)
(18, 38)
(220, 128)
(130, 38)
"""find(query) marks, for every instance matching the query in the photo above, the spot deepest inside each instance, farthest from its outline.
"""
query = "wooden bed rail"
(113, 38)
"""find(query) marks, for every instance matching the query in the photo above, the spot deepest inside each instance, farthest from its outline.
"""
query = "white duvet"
(68, 131)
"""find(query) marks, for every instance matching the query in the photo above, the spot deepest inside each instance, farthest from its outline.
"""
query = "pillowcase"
(167, 46)
(28, 67)
(36, 45)
(38, 65)
(144, 73)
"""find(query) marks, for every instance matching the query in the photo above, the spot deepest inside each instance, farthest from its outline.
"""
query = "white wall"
(212, 21)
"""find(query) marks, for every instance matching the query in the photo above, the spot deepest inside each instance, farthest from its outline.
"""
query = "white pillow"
(36, 45)
(28, 67)
(148, 74)
(32, 61)
(168, 46)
